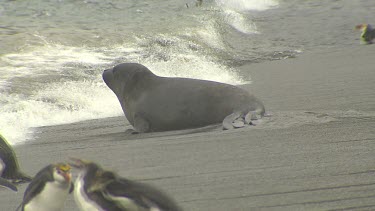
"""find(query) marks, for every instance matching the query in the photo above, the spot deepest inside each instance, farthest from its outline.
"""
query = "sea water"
(53, 52)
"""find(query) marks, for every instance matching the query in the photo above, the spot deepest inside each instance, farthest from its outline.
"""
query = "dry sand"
(316, 152)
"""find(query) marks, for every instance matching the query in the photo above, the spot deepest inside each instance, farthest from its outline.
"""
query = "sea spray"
(246, 5)
(234, 13)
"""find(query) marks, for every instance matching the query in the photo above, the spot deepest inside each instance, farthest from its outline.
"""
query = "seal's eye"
(114, 70)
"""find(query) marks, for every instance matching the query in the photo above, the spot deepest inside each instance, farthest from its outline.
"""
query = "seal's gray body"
(153, 103)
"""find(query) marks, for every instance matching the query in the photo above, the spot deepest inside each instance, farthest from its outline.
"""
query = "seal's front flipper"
(141, 125)
(232, 121)
(131, 132)
(238, 123)
(7, 184)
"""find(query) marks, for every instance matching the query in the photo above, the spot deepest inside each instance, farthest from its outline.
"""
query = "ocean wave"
(239, 22)
(235, 12)
(180, 57)
(58, 103)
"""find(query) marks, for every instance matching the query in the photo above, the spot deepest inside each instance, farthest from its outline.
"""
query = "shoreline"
(315, 152)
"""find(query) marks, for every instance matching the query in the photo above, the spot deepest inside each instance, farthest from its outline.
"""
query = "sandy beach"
(316, 151)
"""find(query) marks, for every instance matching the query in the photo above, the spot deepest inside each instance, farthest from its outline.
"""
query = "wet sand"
(316, 151)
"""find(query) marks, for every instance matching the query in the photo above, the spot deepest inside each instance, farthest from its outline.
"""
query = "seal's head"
(124, 76)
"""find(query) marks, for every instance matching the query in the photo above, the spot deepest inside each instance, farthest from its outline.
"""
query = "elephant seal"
(9, 168)
(152, 103)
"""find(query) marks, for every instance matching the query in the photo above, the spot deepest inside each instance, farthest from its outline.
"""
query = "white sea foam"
(239, 22)
(210, 34)
(245, 5)
(176, 58)
(195, 67)
(56, 103)
(47, 59)
(233, 12)
(23, 115)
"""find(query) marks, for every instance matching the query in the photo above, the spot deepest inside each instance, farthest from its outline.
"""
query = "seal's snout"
(106, 73)
(108, 77)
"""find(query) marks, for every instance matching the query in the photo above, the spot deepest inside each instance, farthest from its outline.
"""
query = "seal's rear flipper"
(239, 119)
(7, 184)
(251, 116)
(238, 123)
(232, 121)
